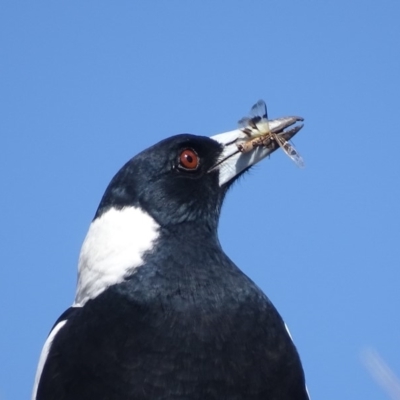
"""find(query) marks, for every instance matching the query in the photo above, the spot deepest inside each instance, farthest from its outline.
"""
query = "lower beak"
(234, 160)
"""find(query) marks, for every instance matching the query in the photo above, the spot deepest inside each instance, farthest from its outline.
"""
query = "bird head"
(175, 187)
(184, 178)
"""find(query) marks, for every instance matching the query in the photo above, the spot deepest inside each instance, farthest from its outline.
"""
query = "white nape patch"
(114, 245)
(44, 354)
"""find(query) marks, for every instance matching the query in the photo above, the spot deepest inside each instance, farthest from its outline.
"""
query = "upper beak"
(233, 161)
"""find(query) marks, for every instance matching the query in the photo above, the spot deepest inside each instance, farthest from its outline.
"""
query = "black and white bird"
(161, 312)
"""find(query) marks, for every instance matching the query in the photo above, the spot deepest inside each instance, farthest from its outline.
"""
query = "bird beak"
(234, 160)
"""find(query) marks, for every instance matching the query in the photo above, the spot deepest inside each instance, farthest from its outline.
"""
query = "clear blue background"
(87, 85)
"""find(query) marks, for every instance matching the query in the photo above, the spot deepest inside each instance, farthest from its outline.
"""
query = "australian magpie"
(161, 312)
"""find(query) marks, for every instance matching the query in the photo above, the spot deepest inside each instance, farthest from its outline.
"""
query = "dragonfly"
(256, 127)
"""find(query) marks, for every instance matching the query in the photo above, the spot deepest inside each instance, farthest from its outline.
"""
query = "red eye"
(188, 159)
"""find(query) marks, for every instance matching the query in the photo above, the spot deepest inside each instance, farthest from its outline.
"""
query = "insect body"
(257, 128)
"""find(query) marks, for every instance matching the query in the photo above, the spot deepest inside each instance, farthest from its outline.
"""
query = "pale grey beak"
(233, 161)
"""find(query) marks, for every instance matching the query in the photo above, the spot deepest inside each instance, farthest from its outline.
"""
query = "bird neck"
(113, 247)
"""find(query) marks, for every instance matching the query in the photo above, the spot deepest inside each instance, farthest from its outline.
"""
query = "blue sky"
(84, 86)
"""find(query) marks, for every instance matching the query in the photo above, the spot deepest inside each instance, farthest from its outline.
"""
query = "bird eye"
(189, 160)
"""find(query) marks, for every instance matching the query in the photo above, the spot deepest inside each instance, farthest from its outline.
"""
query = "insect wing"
(259, 110)
(290, 150)
(259, 117)
(244, 123)
(255, 125)
(257, 113)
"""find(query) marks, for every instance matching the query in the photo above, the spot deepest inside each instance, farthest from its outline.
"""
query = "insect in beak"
(259, 131)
